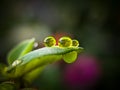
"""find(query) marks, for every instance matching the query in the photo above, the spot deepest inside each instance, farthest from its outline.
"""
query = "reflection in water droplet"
(65, 42)
(70, 57)
(75, 43)
(49, 41)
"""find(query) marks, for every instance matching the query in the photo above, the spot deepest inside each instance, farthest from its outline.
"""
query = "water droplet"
(75, 43)
(65, 42)
(16, 62)
(49, 41)
(70, 57)
(35, 44)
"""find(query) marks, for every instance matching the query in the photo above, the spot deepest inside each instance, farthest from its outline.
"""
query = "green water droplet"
(70, 57)
(65, 42)
(75, 43)
(49, 41)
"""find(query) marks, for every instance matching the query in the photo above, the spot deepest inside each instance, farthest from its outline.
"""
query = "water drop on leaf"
(16, 62)
(49, 41)
(75, 43)
(70, 57)
(65, 42)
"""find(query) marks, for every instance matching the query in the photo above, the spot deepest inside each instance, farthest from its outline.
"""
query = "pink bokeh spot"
(86, 71)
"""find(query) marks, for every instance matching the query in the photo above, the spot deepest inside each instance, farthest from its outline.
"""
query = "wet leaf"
(39, 58)
(20, 50)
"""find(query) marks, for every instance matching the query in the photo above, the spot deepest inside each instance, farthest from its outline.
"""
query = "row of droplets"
(50, 41)
(63, 42)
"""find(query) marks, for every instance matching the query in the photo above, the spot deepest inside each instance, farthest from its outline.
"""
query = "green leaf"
(2, 66)
(7, 86)
(39, 58)
(2, 76)
(20, 50)
(29, 89)
(30, 76)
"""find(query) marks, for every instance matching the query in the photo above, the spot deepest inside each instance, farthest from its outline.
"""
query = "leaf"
(30, 76)
(39, 58)
(20, 50)
(7, 86)
(2, 68)
(29, 89)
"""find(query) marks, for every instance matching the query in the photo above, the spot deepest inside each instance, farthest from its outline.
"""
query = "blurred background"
(95, 23)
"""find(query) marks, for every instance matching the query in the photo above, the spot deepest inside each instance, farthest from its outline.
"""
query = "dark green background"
(95, 23)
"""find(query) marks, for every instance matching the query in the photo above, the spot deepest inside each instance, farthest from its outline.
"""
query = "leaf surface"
(20, 50)
(41, 57)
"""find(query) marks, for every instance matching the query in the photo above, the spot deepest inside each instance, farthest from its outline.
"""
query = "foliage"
(25, 64)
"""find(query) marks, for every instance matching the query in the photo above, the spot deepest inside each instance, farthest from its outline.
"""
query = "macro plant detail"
(65, 42)
(49, 41)
(26, 64)
(75, 43)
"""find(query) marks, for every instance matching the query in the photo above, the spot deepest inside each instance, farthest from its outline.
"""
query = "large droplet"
(49, 41)
(70, 57)
(65, 42)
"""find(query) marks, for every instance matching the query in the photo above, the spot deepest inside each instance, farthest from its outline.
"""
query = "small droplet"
(49, 41)
(65, 42)
(75, 43)
(35, 44)
(16, 62)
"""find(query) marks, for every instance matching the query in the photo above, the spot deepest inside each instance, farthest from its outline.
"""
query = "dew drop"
(70, 57)
(75, 43)
(16, 62)
(49, 41)
(65, 42)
